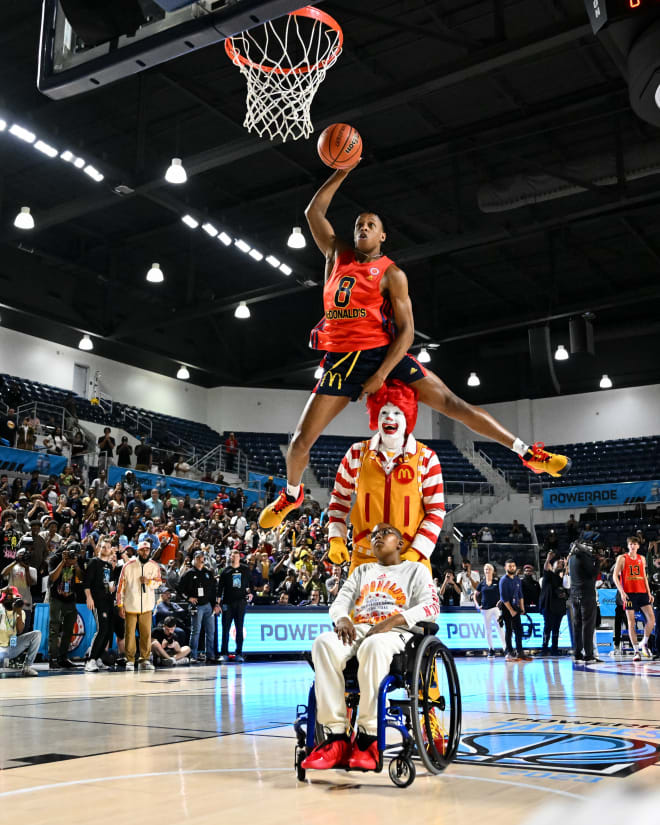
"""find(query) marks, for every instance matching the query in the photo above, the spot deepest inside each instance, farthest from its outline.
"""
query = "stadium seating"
(167, 430)
(593, 462)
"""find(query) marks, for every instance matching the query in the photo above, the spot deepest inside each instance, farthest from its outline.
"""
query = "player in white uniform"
(373, 615)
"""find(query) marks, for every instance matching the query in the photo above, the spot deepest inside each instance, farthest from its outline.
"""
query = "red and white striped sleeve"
(433, 498)
(341, 497)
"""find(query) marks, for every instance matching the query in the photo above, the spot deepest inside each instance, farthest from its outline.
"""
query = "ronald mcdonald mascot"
(394, 478)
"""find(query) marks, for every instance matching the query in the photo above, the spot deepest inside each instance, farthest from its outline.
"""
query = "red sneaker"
(278, 510)
(365, 760)
(332, 754)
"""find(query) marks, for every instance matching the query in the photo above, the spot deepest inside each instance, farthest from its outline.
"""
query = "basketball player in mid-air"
(366, 331)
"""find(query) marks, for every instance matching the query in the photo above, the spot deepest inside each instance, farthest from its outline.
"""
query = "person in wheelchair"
(374, 616)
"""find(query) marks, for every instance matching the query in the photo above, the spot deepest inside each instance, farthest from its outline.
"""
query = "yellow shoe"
(278, 510)
(540, 460)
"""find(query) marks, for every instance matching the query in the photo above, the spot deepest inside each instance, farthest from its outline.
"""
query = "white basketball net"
(284, 62)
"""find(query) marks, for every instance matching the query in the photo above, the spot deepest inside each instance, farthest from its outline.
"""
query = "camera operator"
(63, 570)
(583, 571)
(99, 596)
(450, 593)
(168, 644)
(167, 608)
(20, 575)
(13, 641)
(199, 588)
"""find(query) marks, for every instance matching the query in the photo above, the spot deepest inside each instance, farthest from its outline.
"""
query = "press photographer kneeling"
(13, 642)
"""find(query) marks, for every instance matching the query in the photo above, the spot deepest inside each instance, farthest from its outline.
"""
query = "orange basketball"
(339, 146)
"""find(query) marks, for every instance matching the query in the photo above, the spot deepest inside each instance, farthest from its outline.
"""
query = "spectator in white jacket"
(136, 600)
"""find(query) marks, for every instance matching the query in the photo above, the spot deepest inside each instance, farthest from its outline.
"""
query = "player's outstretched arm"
(320, 227)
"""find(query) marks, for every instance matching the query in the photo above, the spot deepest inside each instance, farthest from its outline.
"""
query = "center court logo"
(582, 753)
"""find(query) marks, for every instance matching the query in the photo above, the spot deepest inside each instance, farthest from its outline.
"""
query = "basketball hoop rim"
(307, 11)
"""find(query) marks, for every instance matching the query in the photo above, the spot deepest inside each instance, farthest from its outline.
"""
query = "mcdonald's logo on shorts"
(331, 378)
(404, 474)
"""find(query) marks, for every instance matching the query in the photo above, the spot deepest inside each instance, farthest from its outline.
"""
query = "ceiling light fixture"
(93, 173)
(424, 356)
(79, 163)
(183, 373)
(273, 261)
(85, 343)
(22, 133)
(285, 270)
(473, 380)
(46, 149)
(225, 238)
(67, 156)
(24, 219)
(244, 247)
(606, 383)
(242, 310)
(3, 125)
(209, 229)
(175, 172)
(190, 221)
(155, 274)
(561, 353)
(254, 253)
(296, 238)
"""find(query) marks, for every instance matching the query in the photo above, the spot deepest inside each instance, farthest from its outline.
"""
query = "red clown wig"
(398, 393)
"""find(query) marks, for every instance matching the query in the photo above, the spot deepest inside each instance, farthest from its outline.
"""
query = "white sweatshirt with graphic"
(373, 592)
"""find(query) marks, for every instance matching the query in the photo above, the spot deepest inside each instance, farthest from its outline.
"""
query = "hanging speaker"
(98, 21)
(543, 369)
(581, 336)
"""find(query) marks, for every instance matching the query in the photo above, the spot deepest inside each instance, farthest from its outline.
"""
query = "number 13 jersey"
(356, 315)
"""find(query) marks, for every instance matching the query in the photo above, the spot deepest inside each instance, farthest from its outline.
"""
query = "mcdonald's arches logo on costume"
(404, 474)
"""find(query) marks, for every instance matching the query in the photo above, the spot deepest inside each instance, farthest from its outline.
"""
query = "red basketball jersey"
(632, 575)
(357, 316)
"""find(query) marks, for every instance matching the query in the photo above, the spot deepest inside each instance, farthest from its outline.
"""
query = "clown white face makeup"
(391, 426)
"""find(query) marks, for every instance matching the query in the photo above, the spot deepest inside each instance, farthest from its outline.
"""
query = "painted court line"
(72, 783)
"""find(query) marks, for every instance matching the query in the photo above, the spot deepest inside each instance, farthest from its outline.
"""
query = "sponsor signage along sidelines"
(625, 493)
(294, 630)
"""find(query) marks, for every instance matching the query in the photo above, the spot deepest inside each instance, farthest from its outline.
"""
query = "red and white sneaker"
(539, 460)
(333, 754)
(278, 510)
(365, 760)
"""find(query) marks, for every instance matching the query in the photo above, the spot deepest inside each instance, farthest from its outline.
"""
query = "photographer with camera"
(583, 571)
(63, 570)
(13, 640)
(22, 577)
(168, 645)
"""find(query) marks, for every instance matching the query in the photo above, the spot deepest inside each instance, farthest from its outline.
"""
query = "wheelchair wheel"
(402, 771)
(435, 705)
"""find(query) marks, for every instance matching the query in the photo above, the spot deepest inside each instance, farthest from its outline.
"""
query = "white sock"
(293, 490)
(519, 447)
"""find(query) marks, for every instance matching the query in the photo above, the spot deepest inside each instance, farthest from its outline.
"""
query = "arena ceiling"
(452, 98)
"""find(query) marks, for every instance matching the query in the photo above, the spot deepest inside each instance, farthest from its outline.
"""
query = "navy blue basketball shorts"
(344, 373)
(636, 601)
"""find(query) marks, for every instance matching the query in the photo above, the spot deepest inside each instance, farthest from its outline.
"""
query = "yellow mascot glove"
(338, 553)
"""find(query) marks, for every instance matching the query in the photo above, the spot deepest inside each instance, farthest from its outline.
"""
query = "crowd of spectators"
(67, 541)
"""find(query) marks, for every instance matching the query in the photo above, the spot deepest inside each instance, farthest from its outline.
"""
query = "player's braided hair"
(397, 393)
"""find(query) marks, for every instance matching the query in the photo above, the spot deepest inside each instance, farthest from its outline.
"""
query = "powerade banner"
(628, 492)
(293, 630)
(178, 486)
(607, 600)
(25, 461)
